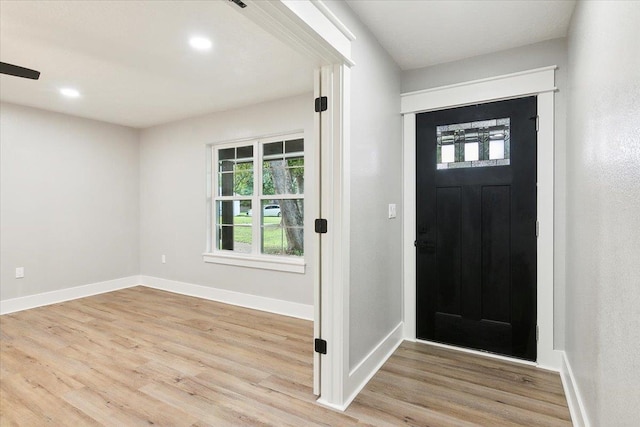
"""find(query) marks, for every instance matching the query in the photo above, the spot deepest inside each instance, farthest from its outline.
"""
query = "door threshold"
(479, 353)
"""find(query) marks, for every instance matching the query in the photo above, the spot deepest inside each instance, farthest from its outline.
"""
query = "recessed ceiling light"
(200, 43)
(69, 92)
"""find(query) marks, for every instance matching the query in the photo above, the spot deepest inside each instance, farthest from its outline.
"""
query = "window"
(257, 203)
(474, 144)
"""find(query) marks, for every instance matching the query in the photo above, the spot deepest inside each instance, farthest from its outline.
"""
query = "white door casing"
(311, 28)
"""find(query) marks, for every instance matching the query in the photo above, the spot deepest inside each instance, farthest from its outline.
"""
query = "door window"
(473, 144)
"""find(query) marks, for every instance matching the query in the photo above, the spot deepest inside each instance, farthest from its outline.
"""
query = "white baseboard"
(61, 295)
(271, 305)
(574, 400)
(367, 368)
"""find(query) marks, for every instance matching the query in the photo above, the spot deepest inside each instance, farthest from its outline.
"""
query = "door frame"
(541, 83)
(310, 27)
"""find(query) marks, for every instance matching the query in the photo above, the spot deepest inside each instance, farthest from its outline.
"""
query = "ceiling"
(132, 63)
(133, 66)
(423, 33)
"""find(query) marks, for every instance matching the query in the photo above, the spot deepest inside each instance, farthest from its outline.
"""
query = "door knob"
(425, 245)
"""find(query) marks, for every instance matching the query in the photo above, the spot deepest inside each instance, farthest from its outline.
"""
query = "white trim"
(317, 262)
(303, 26)
(323, 24)
(255, 302)
(577, 409)
(287, 264)
(334, 295)
(322, 7)
(62, 295)
(409, 225)
(547, 357)
(367, 368)
(534, 82)
(493, 88)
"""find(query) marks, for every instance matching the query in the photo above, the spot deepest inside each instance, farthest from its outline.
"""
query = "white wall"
(173, 198)
(552, 52)
(603, 227)
(375, 285)
(68, 201)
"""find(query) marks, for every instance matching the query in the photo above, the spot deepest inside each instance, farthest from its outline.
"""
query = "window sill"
(265, 262)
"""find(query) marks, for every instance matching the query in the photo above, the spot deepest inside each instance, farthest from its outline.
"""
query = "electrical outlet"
(19, 272)
(392, 210)
(164, 259)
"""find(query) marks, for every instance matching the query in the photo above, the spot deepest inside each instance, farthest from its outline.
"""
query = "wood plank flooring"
(145, 357)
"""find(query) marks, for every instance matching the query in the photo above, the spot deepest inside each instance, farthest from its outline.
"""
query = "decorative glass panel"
(473, 144)
(282, 226)
(471, 152)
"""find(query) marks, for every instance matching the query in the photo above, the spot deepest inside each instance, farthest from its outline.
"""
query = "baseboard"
(574, 400)
(367, 368)
(271, 305)
(62, 295)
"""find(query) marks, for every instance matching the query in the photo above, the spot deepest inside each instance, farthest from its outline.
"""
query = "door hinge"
(321, 225)
(321, 104)
(537, 333)
(320, 346)
(537, 229)
(537, 123)
(240, 3)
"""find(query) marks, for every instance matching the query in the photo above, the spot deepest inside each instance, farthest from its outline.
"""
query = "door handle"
(425, 245)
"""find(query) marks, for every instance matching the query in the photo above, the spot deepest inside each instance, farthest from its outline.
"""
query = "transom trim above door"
(538, 82)
(515, 85)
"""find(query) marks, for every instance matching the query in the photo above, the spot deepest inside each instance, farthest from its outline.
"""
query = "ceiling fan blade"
(14, 70)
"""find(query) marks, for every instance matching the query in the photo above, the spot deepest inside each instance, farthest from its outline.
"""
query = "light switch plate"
(392, 210)
(19, 272)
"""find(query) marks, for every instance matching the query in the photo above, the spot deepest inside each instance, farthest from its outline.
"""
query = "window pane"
(243, 179)
(233, 225)
(282, 226)
(471, 151)
(236, 180)
(473, 144)
(272, 148)
(496, 149)
(283, 176)
(245, 152)
(448, 154)
(227, 153)
(294, 146)
(225, 184)
(226, 165)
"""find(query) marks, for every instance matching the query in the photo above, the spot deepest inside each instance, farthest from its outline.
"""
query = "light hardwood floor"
(145, 357)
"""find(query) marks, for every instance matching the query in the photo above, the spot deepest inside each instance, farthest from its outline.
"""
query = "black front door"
(476, 227)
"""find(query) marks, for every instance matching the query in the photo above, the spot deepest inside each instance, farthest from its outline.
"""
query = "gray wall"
(173, 198)
(375, 286)
(603, 231)
(68, 201)
(552, 52)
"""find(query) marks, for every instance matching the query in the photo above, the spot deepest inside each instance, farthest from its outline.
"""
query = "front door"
(476, 227)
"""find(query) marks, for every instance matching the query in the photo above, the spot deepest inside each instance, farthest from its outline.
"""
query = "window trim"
(255, 259)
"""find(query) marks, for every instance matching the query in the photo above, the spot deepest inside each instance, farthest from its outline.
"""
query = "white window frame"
(255, 259)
